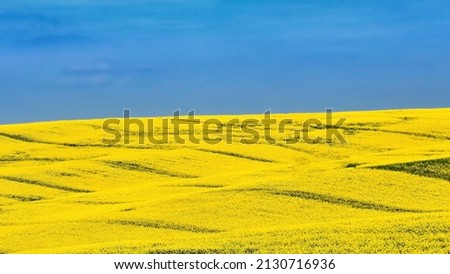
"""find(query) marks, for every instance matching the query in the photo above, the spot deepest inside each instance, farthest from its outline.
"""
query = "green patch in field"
(352, 165)
(133, 166)
(437, 168)
(22, 198)
(165, 225)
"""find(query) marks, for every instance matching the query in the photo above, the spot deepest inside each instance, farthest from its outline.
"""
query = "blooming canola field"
(387, 190)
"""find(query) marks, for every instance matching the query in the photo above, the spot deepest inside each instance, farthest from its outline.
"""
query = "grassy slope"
(386, 191)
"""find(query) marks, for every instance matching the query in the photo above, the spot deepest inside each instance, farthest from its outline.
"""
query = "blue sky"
(71, 59)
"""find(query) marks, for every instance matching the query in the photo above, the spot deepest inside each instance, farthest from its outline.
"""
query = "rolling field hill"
(62, 190)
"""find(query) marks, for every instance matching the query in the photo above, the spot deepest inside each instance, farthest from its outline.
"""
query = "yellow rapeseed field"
(63, 190)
